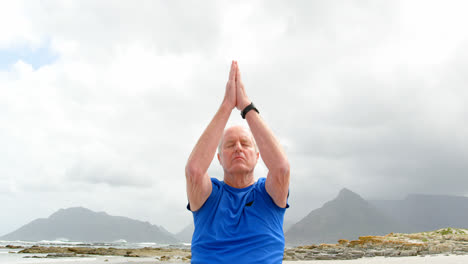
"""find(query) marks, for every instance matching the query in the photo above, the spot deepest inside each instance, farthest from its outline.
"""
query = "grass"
(450, 231)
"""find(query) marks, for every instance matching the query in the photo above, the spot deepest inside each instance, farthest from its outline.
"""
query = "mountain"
(81, 224)
(185, 235)
(287, 224)
(348, 216)
(427, 212)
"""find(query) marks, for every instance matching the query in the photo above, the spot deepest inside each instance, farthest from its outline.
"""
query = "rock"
(13, 247)
(390, 253)
(407, 253)
(308, 247)
(141, 252)
(308, 256)
(131, 254)
(333, 251)
(463, 248)
(323, 257)
(391, 245)
(440, 248)
(423, 253)
(60, 255)
(290, 254)
(343, 256)
(34, 256)
(54, 255)
(356, 253)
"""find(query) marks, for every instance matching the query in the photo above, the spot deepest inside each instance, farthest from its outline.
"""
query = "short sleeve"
(260, 186)
(216, 185)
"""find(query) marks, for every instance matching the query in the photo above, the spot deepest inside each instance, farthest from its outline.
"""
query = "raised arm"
(198, 182)
(277, 182)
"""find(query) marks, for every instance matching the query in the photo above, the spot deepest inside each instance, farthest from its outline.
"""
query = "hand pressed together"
(235, 95)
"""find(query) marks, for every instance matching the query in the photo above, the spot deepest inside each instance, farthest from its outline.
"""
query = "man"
(237, 220)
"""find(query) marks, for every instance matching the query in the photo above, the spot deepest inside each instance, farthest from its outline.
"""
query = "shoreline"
(447, 242)
(156, 255)
(82, 253)
(430, 259)
(443, 241)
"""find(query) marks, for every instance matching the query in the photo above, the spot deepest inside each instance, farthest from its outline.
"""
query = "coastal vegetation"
(442, 241)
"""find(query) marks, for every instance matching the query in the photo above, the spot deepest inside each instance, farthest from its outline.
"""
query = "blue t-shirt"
(238, 226)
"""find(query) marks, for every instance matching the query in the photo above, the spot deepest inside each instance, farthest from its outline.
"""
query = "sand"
(438, 259)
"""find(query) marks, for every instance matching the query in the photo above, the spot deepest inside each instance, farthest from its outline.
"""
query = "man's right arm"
(198, 182)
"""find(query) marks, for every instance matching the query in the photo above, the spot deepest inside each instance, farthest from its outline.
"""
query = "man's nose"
(238, 146)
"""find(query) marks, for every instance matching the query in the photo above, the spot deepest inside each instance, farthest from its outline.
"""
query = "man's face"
(238, 153)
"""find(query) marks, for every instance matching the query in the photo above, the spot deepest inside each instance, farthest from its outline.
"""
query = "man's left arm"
(277, 182)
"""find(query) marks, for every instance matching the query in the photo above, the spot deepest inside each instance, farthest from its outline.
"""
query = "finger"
(238, 76)
(232, 73)
(235, 71)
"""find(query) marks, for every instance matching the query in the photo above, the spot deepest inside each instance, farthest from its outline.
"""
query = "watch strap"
(251, 106)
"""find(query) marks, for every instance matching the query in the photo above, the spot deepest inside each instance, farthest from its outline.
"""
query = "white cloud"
(365, 96)
(15, 27)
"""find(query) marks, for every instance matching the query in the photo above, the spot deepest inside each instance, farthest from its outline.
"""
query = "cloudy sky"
(101, 102)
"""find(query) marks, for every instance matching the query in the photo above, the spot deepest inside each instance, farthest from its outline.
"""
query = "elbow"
(191, 170)
(193, 173)
(282, 172)
(283, 169)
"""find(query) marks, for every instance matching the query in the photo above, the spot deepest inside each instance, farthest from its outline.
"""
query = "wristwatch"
(247, 109)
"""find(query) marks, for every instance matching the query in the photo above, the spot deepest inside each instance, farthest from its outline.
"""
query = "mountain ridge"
(82, 224)
(345, 217)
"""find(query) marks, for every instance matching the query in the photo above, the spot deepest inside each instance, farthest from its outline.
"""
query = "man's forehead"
(235, 132)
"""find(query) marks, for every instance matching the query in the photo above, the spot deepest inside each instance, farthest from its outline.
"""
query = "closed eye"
(245, 143)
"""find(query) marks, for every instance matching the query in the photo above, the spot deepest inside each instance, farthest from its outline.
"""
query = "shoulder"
(216, 183)
(261, 188)
(216, 190)
(260, 182)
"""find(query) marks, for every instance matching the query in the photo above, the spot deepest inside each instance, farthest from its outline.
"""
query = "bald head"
(237, 129)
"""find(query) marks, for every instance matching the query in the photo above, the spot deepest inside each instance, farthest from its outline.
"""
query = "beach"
(436, 259)
(14, 258)
(440, 246)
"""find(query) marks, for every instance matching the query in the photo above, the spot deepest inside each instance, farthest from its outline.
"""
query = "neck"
(239, 180)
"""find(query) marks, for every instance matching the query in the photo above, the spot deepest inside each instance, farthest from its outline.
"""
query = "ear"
(219, 159)
(258, 155)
